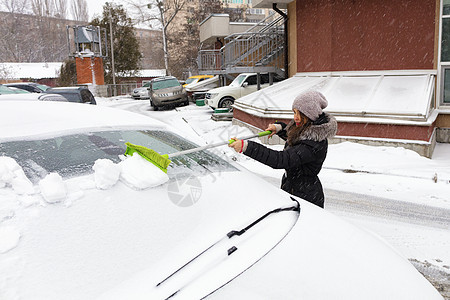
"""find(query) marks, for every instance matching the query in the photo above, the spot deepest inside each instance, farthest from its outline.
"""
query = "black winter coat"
(302, 157)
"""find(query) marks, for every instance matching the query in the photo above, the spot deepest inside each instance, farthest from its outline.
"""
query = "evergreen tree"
(67, 74)
(127, 56)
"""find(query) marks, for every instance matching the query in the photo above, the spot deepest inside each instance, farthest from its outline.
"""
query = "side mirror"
(245, 84)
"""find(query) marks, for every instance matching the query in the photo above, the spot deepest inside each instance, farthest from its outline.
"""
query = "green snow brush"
(162, 161)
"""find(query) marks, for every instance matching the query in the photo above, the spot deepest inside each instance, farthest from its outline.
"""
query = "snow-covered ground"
(385, 172)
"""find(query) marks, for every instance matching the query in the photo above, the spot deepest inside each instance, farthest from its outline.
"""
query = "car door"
(249, 85)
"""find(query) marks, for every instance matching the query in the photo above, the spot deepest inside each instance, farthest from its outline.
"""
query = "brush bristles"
(152, 156)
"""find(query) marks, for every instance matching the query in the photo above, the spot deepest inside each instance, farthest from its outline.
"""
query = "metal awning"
(366, 96)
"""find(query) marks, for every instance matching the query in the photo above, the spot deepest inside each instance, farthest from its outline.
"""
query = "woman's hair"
(298, 130)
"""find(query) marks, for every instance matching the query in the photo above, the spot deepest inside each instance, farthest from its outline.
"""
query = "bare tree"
(14, 6)
(6, 72)
(79, 10)
(61, 9)
(160, 14)
(43, 8)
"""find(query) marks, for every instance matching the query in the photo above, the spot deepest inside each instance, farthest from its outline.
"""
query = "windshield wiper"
(231, 234)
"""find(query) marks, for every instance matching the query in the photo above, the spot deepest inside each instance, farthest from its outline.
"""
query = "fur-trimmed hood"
(315, 132)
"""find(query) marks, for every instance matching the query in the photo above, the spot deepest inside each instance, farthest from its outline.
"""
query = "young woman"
(305, 148)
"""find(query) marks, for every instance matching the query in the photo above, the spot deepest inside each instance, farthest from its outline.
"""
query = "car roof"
(20, 83)
(200, 76)
(49, 117)
(68, 88)
(163, 78)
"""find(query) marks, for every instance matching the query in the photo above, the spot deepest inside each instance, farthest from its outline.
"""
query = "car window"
(147, 84)
(6, 90)
(73, 155)
(72, 97)
(252, 80)
(191, 80)
(85, 96)
(42, 87)
(238, 80)
(164, 84)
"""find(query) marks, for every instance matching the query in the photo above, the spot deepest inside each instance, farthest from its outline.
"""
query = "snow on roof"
(31, 70)
(152, 72)
(393, 95)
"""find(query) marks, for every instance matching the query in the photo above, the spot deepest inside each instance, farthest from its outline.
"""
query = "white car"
(242, 85)
(71, 229)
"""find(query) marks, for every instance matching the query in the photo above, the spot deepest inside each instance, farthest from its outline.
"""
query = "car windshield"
(191, 80)
(7, 90)
(238, 80)
(18, 90)
(146, 84)
(42, 86)
(74, 155)
(164, 84)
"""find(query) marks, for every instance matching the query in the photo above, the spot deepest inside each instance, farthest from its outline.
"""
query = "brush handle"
(259, 134)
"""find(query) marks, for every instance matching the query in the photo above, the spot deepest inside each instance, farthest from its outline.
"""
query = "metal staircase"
(260, 49)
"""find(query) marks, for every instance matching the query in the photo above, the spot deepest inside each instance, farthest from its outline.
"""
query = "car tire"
(155, 108)
(226, 102)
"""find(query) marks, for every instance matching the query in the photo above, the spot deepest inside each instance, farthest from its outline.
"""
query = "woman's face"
(299, 118)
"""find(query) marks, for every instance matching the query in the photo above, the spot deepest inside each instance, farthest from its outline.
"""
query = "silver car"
(142, 92)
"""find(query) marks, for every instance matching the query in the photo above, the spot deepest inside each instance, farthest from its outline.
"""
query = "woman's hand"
(272, 128)
(236, 145)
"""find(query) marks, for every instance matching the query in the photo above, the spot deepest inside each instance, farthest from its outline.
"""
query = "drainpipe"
(286, 58)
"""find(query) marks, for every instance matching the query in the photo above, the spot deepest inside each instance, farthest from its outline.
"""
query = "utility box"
(87, 44)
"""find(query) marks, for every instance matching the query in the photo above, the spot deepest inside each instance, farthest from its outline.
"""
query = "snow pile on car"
(134, 171)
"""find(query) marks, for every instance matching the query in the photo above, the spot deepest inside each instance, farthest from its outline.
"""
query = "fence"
(121, 89)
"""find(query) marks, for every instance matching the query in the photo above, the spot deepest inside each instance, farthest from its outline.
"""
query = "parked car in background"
(68, 216)
(74, 94)
(29, 86)
(10, 93)
(166, 90)
(142, 92)
(6, 90)
(196, 79)
(201, 87)
(242, 85)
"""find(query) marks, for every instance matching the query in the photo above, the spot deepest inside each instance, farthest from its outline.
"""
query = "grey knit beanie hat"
(310, 103)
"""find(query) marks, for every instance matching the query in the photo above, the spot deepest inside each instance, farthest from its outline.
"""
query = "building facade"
(383, 65)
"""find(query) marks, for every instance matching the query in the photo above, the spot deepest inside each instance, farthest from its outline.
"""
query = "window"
(252, 80)
(445, 54)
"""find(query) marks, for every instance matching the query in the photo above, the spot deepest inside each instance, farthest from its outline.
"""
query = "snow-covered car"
(78, 220)
(196, 79)
(6, 90)
(12, 92)
(242, 85)
(142, 92)
(31, 87)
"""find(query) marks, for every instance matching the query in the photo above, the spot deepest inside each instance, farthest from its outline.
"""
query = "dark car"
(74, 94)
(29, 86)
(166, 90)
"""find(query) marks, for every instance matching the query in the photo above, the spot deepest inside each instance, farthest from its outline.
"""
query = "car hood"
(96, 239)
(170, 89)
(20, 97)
(48, 117)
